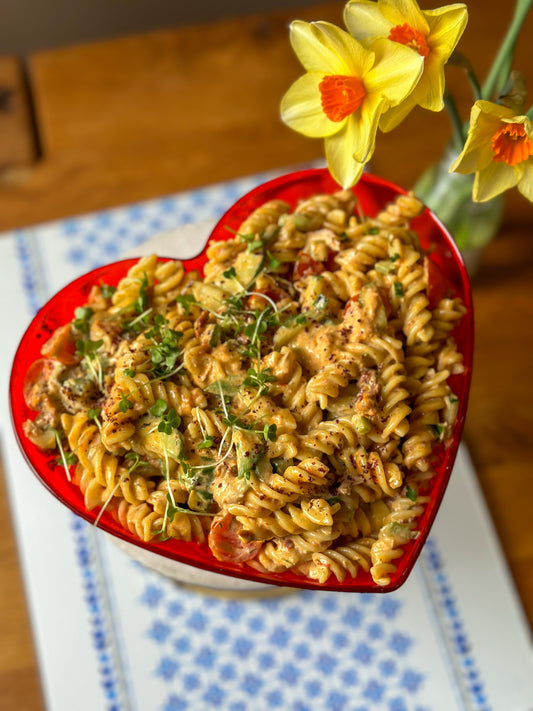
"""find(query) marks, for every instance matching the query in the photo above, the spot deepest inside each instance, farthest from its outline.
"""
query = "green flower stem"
(475, 83)
(457, 125)
(502, 64)
(458, 59)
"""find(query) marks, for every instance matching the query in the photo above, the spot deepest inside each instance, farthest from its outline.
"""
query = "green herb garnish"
(411, 493)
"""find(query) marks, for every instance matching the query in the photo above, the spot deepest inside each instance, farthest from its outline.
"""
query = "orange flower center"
(341, 95)
(511, 145)
(405, 34)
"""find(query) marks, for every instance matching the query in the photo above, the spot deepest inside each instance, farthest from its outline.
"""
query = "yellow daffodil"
(432, 34)
(499, 150)
(344, 92)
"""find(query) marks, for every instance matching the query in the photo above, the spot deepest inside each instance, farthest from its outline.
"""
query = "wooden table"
(148, 115)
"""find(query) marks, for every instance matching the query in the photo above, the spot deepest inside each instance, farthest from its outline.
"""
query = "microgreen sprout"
(186, 301)
(296, 320)
(159, 321)
(93, 413)
(206, 443)
(232, 274)
(63, 455)
(88, 348)
(169, 422)
(255, 379)
(141, 302)
(87, 351)
(139, 322)
(254, 330)
(273, 262)
(208, 440)
(165, 350)
(135, 460)
(165, 353)
(82, 320)
(158, 408)
(124, 404)
(253, 243)
(107, 290)
(269, 432)
(171, 509)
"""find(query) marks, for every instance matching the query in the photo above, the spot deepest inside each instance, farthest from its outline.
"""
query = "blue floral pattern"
(302, 650)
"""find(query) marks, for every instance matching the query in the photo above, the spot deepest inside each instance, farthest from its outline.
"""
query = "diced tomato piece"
(331, 264)
(305, 265)
(353, 300)
(36, 375)
(226, 544)
(273, 292)
(61, 346)
(95, 295)
(436, 281)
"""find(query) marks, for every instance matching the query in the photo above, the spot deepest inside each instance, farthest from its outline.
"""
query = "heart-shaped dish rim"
(373, 194)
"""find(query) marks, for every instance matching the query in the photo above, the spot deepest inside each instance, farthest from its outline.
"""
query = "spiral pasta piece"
(395, 397)
(429, 403)
(310, 515)
(129, 288)
(342, 561)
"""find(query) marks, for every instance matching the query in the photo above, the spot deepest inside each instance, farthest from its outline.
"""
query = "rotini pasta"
(283, 408)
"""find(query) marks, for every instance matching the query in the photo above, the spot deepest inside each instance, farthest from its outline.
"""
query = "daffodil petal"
(395, 115)
(301, 108)
(496, 178)
(525, 184)
(364, 20)
(476, 155)
(323, 47)
(339, 154)
(429, 90)
(401, 11)
(446, 25)
(371, 110)
(528, 125)
(499, 111)
(396, 71)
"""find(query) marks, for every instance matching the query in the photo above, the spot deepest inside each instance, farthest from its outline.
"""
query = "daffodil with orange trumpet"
(432, 34)
(499, 150)
(392, 58)
(345, 92)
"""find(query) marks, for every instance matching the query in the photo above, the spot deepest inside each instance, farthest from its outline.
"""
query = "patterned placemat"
(112, 635)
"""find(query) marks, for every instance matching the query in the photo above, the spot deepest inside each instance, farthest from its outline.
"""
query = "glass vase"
(449, 195)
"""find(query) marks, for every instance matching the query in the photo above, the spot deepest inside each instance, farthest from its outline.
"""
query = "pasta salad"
(283, 408)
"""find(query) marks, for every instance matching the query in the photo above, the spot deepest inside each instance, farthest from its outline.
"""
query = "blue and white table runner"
(113, 636)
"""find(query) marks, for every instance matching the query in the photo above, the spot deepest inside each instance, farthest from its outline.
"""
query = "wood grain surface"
(145, 116)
